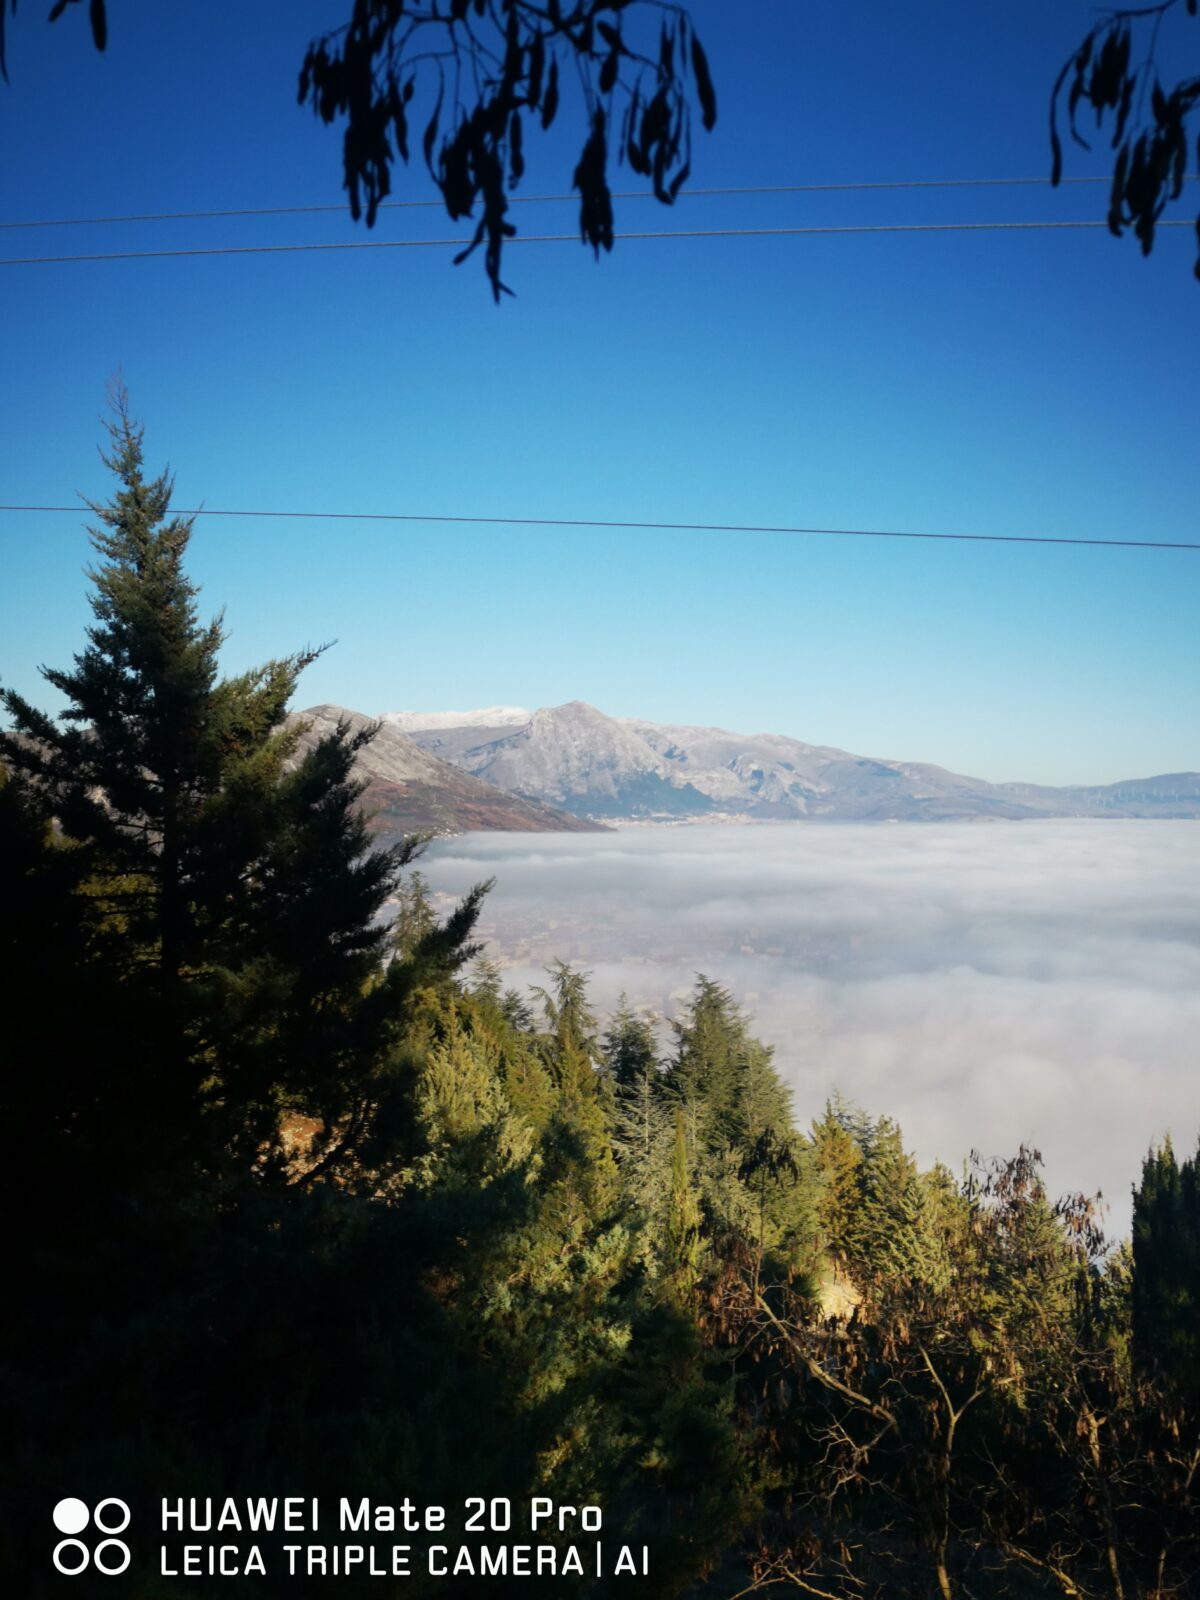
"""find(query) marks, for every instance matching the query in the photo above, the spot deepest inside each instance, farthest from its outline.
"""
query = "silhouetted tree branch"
(97, 15)
(481, 72)
(491, 67)
(1115, 73)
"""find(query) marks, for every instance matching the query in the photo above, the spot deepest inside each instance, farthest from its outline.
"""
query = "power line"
(562, 238)
(664, 527)
(547, 199)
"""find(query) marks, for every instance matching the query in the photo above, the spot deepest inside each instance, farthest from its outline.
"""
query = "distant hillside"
(576, 758)
(409, 790)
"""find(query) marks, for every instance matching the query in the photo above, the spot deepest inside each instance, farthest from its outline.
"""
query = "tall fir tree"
(223, 881)
(630, 1049)
(208, 1041)
(1166, 1271)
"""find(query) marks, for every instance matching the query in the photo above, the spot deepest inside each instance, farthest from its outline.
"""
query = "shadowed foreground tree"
(225, 881)
(470, 78)
(972, 1425)
(298, 1206)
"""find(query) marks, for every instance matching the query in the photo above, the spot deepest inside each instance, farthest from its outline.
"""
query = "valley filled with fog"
(982, 984)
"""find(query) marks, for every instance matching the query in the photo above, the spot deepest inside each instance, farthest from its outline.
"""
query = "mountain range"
(591, 766)
(410, 790)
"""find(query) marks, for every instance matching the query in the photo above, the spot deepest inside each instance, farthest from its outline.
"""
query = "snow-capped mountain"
(489, 717)
(410, 790)
(576, 758)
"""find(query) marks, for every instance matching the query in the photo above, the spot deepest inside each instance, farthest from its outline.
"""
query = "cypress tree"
(210, 1042)
(630, 1048)
(223, 879)
(1166, 1271)
(681, 1235)
(414, 920)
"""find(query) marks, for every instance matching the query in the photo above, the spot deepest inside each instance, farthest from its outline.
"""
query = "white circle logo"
(106, 1527)
(71, 1544)
(111, 1544)
(70, 1516)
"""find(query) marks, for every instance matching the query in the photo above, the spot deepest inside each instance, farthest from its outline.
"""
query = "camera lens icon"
(72, 1556)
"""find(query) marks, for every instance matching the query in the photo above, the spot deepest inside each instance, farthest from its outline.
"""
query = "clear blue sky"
(1000, 383)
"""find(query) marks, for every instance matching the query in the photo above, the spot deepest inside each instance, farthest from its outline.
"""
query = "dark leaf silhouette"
(476, 64)
(550, 103)
(431, 133)
(480, 65)
(595, 212)
(704, 85)
(1118, 79)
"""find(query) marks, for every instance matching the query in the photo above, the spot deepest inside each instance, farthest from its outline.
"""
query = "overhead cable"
(657, 526)
(561, 238)
(548, 199)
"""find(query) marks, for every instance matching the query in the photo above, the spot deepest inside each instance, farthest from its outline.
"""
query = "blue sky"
(991, 383)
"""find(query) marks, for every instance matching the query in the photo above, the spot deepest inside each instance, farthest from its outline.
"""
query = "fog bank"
(984, 985)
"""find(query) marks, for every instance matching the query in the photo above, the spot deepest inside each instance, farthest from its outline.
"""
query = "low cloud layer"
(984, 985)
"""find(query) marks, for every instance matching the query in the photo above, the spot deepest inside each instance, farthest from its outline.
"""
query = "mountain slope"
(409, 790)
(574, 757)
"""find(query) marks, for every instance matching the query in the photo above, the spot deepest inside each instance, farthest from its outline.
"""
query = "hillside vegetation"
(306, 1201)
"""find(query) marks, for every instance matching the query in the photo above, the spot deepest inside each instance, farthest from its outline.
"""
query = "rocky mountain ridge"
(411, 790)
(576, 758)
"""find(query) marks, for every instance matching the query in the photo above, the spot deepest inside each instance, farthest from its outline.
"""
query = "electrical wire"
(562, 238)
(547, 199)
(667, 527)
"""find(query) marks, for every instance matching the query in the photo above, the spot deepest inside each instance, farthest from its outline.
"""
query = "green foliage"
(1166, 1271)
(681, 1230)
(630, 1049)
(307, 1200)
(414, 919)
(723, 1074)
(315, 1209)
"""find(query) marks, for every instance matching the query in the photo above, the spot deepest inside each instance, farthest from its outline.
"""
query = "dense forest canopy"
(306, 1196)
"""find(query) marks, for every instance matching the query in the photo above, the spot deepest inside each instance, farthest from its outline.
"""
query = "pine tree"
(485, 984)
(726, 1078)
(630, 1050)
(681, 1233)
(414, 919)
(209, 1040)
(222, 880)
(642, 1124)
(888, 1231)
(837, 1163)
(1166, 1271)
(579, 1151)
(710, 1044)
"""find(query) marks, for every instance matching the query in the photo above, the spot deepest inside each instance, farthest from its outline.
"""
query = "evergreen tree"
(223, 882)
(517, 1010)
(642, 1140)
(681, 1234)
(630, 1049)
(414, 918)
(485, 984)
(871, 1201)
(211, 1047)
(710, 1044)
(1166, 1271)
